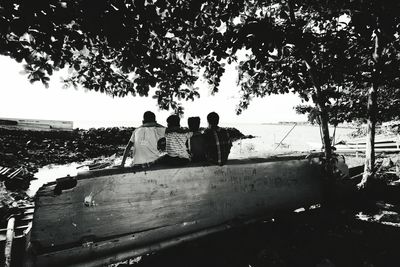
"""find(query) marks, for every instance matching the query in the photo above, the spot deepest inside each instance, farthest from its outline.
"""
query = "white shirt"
(144, 141)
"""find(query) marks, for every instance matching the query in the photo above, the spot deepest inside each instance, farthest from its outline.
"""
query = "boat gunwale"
(122, 170)
(103, 173)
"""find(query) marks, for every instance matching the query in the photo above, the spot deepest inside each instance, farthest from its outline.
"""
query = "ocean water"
(292, 138)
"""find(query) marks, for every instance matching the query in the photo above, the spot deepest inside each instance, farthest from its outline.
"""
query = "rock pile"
(33, 149)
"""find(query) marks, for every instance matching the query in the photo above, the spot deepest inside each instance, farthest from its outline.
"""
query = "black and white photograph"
(196, 133)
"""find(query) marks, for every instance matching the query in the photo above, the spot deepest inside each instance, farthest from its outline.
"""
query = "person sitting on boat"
(218, 141)
(144, 142)
(176, 138)
(196, 144)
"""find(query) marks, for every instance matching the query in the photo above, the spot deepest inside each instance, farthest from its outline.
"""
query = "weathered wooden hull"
(382, 144)
(121, 212)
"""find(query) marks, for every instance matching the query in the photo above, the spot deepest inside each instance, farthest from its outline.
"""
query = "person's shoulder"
(139, 131)
(198, 137)
(183, 134)
(159, 126)
(151, 125)
(207, 131)
(197, 134)
(224, 133)
(216, 129)
(223, 130)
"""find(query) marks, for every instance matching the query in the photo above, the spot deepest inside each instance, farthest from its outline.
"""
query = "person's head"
(173, 121)
(149, 116)
(194, 123)
(213, 119)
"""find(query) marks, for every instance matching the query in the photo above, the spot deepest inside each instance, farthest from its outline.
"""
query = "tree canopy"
(128, 47)
(360, 70)
(121, 47)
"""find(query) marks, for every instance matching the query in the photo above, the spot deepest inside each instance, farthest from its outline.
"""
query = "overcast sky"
(20, 99)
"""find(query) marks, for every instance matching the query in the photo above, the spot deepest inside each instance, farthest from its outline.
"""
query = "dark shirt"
(218, 145)
(197, 147)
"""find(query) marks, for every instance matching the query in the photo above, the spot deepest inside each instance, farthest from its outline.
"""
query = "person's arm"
(207, 141)
(126, 152)
(161, 144)
(229, 140)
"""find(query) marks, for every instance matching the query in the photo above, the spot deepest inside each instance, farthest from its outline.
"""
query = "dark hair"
(213, 118)
(173, 121)
(149, 116)
(194, 123)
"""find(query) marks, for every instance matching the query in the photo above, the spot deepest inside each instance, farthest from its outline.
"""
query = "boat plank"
(376, 145)
(135, 202)
(129, 241)
(378, 139)
(344, 150)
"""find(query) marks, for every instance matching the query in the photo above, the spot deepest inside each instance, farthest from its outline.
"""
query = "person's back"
(176, 139)
(218, 141)
(144, 141)
(196, 143)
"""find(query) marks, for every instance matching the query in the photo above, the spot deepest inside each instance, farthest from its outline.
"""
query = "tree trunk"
(369, 169)
(324, 117)
(369, 163)
(325, 131)
(320, 102)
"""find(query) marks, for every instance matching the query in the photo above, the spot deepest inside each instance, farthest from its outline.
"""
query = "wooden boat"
(104, 216)
(388, 144)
